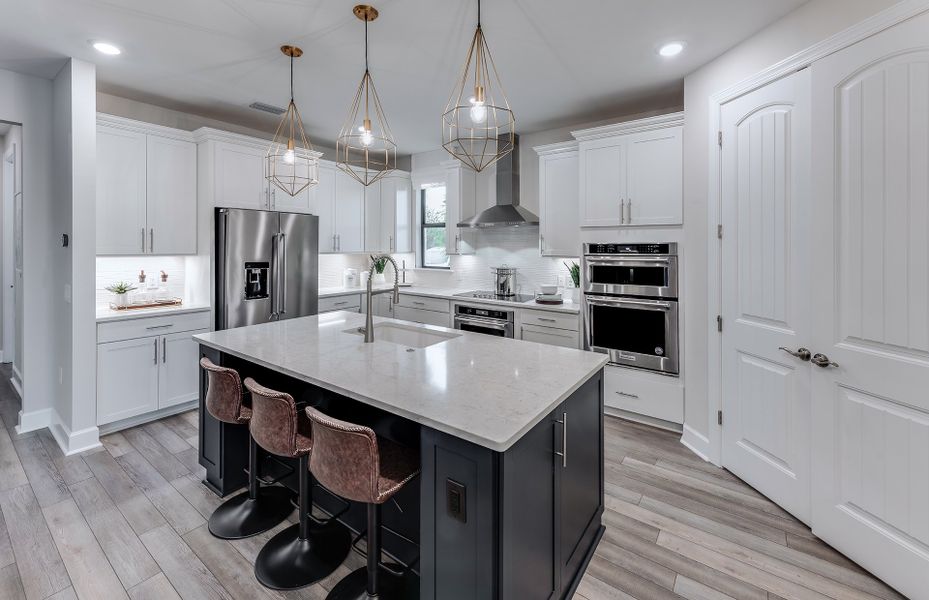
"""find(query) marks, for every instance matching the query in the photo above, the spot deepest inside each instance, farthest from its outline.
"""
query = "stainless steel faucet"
(369, 319)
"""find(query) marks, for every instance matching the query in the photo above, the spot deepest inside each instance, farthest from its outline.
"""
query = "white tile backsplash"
(111, 269)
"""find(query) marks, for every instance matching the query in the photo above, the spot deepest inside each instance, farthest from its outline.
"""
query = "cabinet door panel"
(178, 377)
(240, 177)
(388, 203)
(656, 188)
(548, 335)
(172, 196)
(403, 217)
(322, 204)
(127, 379)
(120, 191)
(349, 214)
(416, 315)
(282, 201)
(374, 225)
(559, 219)
(603, 182)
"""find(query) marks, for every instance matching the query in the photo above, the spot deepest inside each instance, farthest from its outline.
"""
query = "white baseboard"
(646, 420)
(698, 443)
(73, 442)
(33, 420)
(148, 417)
(17, 382)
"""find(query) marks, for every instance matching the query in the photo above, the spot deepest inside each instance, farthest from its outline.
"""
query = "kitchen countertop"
(105, 314)
(483, 389)
(449, 294)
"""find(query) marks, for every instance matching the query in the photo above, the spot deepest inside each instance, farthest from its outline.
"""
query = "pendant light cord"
(478, 14)
(291, 77)
(366, 45)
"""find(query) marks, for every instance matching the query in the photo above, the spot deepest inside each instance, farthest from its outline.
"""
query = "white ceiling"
(562, 61)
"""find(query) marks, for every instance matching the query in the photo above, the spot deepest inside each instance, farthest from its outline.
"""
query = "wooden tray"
(152, 304)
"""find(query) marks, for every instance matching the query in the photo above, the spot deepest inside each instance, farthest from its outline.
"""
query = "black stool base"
(288, 563)
(390, 587)
(241, 517)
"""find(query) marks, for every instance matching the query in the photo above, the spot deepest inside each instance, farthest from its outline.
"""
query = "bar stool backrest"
(224, 398)
(345, 457)
(274, 420)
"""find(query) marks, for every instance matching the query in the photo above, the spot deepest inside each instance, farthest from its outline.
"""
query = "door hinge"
(719, 231)
(719, 138)
(719, 323)
(719, 417)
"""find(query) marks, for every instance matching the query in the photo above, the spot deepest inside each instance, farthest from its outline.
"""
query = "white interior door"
(6, 260)
(765, 204)
(871, 297)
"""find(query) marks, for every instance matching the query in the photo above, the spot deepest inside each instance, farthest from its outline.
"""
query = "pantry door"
(765, 204)
(871, 301)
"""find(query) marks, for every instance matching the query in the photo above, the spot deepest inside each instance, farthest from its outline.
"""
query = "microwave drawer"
(643, 393)
(543, 318)
(114, 331)
(423, 303)
(347, 302)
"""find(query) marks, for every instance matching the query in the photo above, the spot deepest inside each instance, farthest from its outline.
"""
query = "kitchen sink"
(406, 335)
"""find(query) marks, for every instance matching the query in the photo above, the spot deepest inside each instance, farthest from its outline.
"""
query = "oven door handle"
(602, 301)
(483, 322)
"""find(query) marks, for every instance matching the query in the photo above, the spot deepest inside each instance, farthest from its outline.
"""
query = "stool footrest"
(271, 476)
(389, 567)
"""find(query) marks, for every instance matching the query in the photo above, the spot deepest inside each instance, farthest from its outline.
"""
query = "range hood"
(507, 212)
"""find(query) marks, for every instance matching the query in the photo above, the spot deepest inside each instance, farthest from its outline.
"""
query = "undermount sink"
(406, 335)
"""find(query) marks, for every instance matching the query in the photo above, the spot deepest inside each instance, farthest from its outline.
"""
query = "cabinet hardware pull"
(151, 240)
(143, 239)
(340, 303)
(420, 303)
(546, 320)
(160, 326)
(156, 351)
(164, 350)
(564, 440)
(627, 395)
(622, 211)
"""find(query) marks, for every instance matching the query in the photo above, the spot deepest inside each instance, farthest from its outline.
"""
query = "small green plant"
(380, 263)
(575, 270)
(120, 287)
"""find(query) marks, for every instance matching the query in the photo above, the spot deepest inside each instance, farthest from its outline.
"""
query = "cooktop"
(484, 295)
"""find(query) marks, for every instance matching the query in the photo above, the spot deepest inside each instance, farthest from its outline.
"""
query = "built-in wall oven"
(631, 304)
(498, 322)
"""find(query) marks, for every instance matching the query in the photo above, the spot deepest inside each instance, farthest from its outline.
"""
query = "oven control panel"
(667, 248)
(475, 311)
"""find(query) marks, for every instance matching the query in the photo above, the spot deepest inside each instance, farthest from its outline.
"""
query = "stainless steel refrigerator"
(267, 266)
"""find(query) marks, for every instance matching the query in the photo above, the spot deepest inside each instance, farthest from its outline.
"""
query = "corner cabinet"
(146, 189)
(631, 174)
(559, 222)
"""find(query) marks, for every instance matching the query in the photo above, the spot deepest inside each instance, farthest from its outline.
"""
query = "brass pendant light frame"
(366, 122)
(292, 164)
(478, 144)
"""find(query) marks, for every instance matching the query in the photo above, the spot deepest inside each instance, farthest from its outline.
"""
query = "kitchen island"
(510, 498)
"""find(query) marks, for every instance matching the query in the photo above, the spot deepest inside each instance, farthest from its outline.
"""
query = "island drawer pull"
(160, 326)
(419, 303)
(340, 303)
(564, 440)
(627, 395)
(546, 320)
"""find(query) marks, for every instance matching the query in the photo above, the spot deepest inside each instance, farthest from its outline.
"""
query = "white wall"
(809, 24)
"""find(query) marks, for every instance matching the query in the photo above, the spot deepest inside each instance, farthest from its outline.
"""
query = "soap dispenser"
(142, 293)
(162, 293)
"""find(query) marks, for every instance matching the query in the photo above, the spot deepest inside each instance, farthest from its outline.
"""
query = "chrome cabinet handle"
(546, 320)
(164, 350)
(629, 211)
(624, 394)
(156, 351)
(801, 353)
(564, 440)
(143, 239)
(151, 240)
(340, 303)
(622, 211)
(160, 326)
(821, 360)
(420, 303)
(541, 244)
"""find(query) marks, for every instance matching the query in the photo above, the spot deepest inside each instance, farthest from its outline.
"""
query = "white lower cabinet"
(549, 335)
(419, 315)
(349, 302)
(148, 373)
(643, 393)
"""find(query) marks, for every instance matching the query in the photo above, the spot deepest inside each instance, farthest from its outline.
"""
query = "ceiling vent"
(268, 108)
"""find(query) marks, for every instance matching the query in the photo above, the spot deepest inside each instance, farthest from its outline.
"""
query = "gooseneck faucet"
(369, 319)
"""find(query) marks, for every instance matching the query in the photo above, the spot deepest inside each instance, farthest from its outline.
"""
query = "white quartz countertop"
(105, 314)
(483, 389)
(449, 294)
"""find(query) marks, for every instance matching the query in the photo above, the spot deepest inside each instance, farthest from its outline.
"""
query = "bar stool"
(352, 462)
(301, 554)
(260, 508)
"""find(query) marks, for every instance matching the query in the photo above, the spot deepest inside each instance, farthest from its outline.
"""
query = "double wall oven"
(631, 304)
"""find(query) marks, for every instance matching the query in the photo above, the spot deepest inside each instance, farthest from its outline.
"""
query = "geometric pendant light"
(292, 165)
(365, 148)
(478, 127)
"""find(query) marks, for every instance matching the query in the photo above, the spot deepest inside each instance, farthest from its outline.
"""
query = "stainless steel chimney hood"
(507, 212)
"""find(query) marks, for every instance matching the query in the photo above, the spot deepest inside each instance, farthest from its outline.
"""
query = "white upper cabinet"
(172, 196)
(460, 204)
(239, 176)
(349, 213)
(121, 219)
(388, 214)
(631, 174)
(146, 189)
(403, 214)
(322, 204)
(559, 221)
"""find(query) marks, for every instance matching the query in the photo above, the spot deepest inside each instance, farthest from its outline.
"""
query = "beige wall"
(809, 24)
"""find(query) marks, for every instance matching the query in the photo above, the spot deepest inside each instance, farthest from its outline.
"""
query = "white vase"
(379, 279)
(572, 294)
(122, 299)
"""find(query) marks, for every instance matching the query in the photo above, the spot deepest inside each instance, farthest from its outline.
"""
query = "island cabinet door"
(578, 479)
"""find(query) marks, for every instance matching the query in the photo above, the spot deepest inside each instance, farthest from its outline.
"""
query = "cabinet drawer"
(349, 302)
(136, 328)
(424, 303)
(644, 393)
(416, 315)
(544, 318)
(549, 335)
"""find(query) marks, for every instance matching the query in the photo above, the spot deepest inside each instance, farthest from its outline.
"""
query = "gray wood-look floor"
(128, 520)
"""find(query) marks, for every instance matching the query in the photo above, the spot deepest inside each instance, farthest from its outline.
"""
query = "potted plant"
(380, 263)
(121, 290)
(575, 270)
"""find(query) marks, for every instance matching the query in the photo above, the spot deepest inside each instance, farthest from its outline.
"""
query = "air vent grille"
(268, 108)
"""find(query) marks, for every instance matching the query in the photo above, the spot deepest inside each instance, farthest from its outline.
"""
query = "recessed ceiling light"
(106, 48)
(671, 49)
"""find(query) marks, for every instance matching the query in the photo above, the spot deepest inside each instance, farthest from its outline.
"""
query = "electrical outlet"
(562, 281)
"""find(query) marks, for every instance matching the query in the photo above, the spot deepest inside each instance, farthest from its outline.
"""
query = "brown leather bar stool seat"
(303, 553)
(352, 462)
(261, 507)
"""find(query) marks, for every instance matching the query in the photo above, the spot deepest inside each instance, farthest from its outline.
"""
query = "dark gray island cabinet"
(510, 499)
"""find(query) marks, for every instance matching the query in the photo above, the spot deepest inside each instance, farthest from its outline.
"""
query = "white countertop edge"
(449, 294)
(108, 315)
(469, 436)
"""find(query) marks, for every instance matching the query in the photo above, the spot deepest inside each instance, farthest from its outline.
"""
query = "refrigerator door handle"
(282, 258)
(275, 277)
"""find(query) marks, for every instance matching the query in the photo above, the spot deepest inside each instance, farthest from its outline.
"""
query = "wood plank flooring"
(128, 520)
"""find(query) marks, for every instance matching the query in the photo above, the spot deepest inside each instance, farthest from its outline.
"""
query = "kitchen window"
(432, 223)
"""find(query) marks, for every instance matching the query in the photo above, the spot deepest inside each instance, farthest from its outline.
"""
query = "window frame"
(422, 232)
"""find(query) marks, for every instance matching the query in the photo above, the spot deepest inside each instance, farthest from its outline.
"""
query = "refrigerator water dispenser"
(256, 280)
